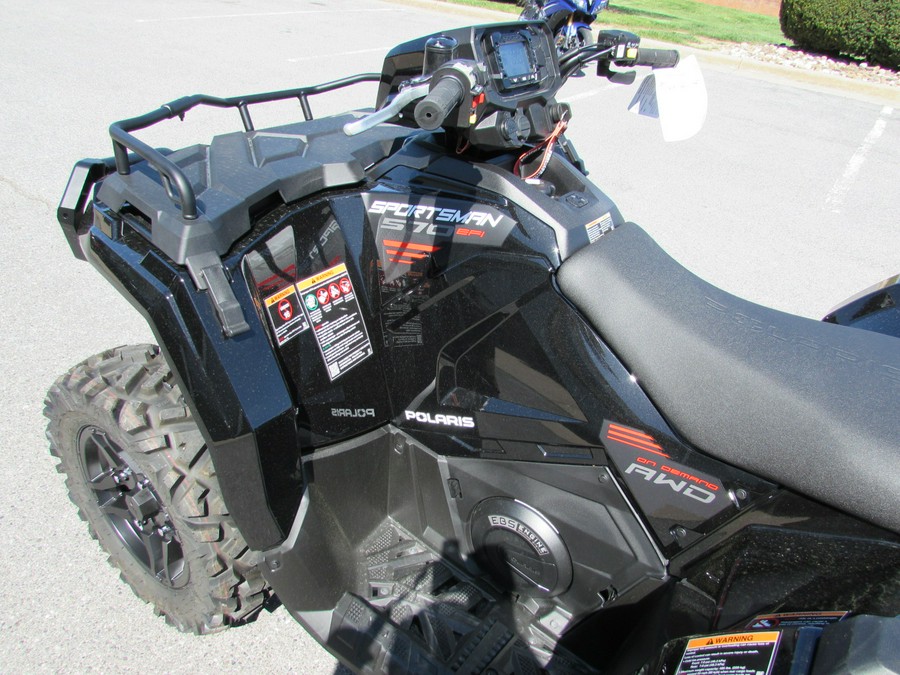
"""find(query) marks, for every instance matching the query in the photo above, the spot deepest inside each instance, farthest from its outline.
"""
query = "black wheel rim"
(131, 505)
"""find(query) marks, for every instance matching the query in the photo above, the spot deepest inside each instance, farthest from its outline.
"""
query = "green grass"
(691, 22)
(679, 21)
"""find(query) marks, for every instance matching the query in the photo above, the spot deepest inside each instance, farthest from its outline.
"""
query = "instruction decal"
(288, 319)
(735, 654)
(330, 304)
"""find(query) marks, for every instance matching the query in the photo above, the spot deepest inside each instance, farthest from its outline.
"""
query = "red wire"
(547, 146)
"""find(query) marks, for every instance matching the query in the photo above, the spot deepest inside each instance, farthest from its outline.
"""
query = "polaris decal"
(757, 328)
(413, 230)
(353, 412)
(440, 419)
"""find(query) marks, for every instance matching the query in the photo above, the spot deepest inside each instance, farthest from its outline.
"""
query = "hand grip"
(432, 110)
(657, 58)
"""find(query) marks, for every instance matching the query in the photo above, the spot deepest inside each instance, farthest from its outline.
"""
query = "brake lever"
(615, 76)
(403, 98)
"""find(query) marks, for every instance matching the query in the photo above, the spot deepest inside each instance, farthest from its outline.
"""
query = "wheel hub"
(142, 504)
(132, 507)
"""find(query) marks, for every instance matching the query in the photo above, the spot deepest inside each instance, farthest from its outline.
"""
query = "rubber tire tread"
(129, 393)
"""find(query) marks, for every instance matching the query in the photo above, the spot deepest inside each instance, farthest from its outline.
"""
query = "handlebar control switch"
(624, 45)
(624, 48)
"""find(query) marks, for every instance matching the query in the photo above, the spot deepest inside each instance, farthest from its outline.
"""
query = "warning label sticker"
(795, 619)
(332, 308)
(597, 228)
(288, 319)
(735, 654)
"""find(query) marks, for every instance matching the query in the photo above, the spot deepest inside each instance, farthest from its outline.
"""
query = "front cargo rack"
(123, 141)
(196, 202)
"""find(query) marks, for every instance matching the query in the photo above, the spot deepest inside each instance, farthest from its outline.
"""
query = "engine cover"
(520, 548)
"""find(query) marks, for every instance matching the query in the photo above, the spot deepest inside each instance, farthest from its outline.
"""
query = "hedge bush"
(868, 29)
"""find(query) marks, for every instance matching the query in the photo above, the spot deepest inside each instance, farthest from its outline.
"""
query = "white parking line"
(834, 202)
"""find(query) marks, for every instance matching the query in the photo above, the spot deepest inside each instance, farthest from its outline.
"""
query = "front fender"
(876, 309)
(234, 386)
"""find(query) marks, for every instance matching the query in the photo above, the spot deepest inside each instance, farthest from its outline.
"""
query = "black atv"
(420, 382)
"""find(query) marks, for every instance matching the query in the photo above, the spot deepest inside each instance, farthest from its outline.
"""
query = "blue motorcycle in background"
(570, 20)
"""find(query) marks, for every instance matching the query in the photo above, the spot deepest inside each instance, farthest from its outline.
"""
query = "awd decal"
(440, 420)
(679, 481)
(634, 438)
(662, 487)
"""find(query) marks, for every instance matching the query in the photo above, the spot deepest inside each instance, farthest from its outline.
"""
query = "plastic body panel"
(876, 309)
(474, 352)
(234, 385)
(470, 346)
(802, 642)
(410, 486)
(783, 554)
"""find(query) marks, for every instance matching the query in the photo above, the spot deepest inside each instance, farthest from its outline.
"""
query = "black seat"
(810, 405)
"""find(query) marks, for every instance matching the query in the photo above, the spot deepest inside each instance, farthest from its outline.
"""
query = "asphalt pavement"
(789, 197)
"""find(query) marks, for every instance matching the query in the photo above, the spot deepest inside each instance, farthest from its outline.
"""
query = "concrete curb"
(825, 83)
(814, 81)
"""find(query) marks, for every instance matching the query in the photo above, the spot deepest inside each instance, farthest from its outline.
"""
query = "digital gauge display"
(515, 59)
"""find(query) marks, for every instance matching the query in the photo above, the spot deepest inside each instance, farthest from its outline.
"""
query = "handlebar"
(509, 72)
(657, 58)
(432, 110)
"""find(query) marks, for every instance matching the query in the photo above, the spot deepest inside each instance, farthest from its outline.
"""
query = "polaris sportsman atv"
(420, 382)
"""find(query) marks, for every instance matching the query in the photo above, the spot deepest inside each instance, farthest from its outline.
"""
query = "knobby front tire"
(139, 471)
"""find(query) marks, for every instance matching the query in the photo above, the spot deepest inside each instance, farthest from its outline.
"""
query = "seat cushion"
(810, 405)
